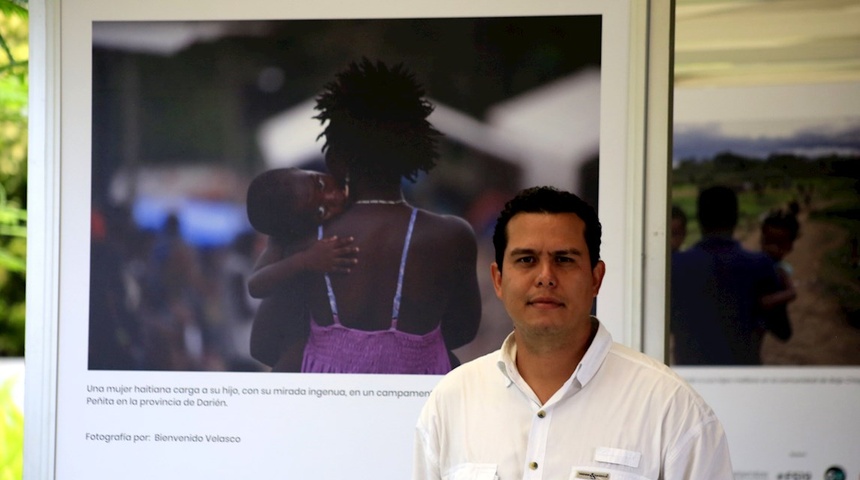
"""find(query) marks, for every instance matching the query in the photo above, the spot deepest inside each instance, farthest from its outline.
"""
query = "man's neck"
(716, 232)
(545, 367)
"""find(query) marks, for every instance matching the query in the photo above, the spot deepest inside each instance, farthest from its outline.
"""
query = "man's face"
(547, 283)
(319, 195)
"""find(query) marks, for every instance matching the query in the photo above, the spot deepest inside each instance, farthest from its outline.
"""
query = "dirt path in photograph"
(822, 334)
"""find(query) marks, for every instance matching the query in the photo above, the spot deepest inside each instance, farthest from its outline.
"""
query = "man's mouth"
(545, 302)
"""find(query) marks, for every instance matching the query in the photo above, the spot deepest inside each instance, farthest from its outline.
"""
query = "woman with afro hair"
(413, 295)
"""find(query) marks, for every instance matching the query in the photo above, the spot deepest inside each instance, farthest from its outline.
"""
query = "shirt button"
(541, 414)
(533, 465)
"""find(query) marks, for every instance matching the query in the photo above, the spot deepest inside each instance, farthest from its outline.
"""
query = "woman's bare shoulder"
(451, 223)
(449, 229)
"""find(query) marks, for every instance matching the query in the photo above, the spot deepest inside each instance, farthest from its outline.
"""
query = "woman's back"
(439, 279)
(377, 134)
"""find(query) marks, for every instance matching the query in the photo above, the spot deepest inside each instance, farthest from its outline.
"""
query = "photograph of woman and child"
(319, 195)
(354, 279)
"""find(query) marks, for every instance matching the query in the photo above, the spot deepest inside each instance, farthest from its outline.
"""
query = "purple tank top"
(337, 349)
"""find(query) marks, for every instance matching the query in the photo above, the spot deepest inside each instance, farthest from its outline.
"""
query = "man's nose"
(546, 276)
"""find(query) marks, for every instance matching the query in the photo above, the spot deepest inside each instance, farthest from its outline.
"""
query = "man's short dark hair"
(717, 209)
(377, 121)
(548, 200)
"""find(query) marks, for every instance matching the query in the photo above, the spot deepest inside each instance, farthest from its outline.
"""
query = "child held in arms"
(288, 204)
(779, 230)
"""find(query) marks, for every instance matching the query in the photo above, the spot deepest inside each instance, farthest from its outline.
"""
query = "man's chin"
(542, 327)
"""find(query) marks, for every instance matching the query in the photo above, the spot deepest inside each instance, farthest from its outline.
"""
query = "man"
(560, 400)
(718, 317)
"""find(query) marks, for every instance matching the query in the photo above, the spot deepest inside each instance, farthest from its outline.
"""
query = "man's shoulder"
(649, 373)
(634, 359)
(728, 250)
(470, 375)
(694, 257)
(760, 266)
(757, 256)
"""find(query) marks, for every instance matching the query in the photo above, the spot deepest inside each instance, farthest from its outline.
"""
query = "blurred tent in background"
(556, 128)
(203, 223)
(206, 200)
(168, 38)
(548, 133)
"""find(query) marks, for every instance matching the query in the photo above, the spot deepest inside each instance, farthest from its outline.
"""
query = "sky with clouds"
(757, 121)
(759, 139)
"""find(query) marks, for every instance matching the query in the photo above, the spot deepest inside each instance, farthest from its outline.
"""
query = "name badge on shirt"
(592, 475)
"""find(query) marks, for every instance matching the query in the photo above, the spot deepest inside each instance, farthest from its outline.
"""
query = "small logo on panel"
(794, 476)
(834, 473)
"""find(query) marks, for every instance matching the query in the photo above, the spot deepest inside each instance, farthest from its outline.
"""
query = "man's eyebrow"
(575, 252)
(530, 251)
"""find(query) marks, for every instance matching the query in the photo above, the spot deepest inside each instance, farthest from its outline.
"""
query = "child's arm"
(280, 330)
(783, 296)
(329, 255)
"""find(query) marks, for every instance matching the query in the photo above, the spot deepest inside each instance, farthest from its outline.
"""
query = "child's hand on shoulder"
(332, 255)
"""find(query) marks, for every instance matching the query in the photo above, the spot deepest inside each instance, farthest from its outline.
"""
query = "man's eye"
(525, 260)
(564, 259)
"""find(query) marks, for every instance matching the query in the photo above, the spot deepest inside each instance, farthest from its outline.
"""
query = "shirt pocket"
(617, 456)
(601, 473)
(472, 471)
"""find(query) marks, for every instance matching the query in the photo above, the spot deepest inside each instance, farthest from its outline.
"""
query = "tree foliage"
(14, 54)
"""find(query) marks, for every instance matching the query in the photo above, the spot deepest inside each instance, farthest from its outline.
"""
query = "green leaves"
(11, 7)
(14, 53)
(11, 433)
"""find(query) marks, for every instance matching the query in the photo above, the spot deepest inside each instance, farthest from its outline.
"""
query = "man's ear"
(496, 273)
(597, 274)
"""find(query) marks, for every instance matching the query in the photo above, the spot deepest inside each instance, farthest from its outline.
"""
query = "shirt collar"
(585, 371)
(595, 355)
(507, 360)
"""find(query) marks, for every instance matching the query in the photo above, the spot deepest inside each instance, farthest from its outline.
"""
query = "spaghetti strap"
(338, 349)
(395, 311)
(331, 301)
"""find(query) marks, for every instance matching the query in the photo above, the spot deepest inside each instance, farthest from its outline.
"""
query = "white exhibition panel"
(783, 422)
(145, 424)
(228, 425)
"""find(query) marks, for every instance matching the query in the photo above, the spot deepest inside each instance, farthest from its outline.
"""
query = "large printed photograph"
(766, 242)
(320, 195)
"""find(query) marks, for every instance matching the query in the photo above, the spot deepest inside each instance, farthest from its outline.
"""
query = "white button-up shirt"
(621, 416)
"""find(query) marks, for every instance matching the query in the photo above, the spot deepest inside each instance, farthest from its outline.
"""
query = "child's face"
(320, 196)
(776, 242)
